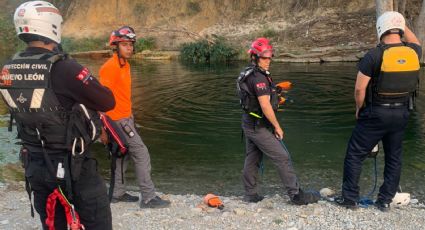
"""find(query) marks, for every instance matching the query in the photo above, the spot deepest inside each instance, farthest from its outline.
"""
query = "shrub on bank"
(204, 51)
(90, 44)
(8, 40)
(148, 43)
(83, 44)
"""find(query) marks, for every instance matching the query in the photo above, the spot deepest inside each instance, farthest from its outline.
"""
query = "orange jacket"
(118, 80)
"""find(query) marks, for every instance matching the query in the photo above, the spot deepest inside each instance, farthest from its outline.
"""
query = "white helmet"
(388, 21)
(38, 18)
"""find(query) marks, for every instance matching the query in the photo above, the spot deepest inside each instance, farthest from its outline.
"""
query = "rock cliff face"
(298, 24)
(295, 26)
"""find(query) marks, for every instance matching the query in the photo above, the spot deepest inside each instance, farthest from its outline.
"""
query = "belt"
(389, 105)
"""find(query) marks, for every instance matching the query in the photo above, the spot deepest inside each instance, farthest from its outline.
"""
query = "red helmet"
(262, 48)
(123, 34)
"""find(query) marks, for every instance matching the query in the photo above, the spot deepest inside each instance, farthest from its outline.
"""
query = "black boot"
(304, 198)
(382, 205)
(253, 198)
(346, 203)
(125, 198)
(156, 202)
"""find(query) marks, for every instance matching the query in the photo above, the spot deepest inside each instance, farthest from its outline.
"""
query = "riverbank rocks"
(240, 211)
(298, 60)
(345, 58)
(145, 54)
(184, 214)
(327, 192)
(157, 55)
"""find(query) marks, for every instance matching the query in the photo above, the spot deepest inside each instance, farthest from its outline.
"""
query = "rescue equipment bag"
(399, 73)
(117, 146)
(246, 99)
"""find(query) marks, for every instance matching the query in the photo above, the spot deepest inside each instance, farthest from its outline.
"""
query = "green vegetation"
(268, 33)
(278, 221)
(69, 44)
(12, 172)
(139, 9)
(8, 39)
(204, 51)
(83, 44)
(90, 44)
(148, 43)
(193, 7)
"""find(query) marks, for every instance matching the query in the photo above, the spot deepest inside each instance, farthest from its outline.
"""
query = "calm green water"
(189, 118)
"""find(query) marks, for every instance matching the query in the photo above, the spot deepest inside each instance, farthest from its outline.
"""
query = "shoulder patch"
(261, 85)
(84, 76)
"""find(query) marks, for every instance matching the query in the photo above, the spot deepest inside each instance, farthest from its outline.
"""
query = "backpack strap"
(371, 88)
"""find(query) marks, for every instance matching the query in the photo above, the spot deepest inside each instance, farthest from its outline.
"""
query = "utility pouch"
(127, 129)
(23, 157)
(76, 166)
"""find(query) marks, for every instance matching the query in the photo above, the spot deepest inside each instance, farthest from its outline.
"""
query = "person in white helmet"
(385, 88)
(54, 101)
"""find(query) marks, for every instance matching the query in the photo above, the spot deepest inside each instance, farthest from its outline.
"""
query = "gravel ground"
(187, 212)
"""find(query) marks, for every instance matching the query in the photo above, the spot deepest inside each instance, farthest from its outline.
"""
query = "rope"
(72, 217)
(365, 201)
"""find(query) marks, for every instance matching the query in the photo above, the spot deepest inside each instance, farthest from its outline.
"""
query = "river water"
(189, 118)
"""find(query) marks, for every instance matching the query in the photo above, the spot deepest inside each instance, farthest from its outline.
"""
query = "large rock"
(298, 60)
(157, 55)
(345, 58)
(327, 192)
(240, 211)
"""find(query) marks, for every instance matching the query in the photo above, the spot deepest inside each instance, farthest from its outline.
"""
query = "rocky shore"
(146, 54)
(188, 212)
(350, 52)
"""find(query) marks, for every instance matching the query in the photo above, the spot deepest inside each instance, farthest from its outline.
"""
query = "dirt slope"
(295, 26)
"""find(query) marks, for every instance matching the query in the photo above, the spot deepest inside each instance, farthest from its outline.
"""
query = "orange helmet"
(261, 48)
(123, 34)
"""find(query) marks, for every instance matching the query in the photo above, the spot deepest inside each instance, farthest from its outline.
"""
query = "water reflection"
(190, 119)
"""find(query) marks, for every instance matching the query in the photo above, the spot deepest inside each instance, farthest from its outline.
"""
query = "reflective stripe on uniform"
(8, 98)
(37, 98)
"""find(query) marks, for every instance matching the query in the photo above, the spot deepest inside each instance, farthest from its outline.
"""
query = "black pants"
(374, 124)
(89, 194)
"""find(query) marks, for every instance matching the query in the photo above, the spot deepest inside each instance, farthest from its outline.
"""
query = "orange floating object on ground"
(284, 85)
(213, 201)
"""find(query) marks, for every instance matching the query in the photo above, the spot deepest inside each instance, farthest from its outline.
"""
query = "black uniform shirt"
(73, 83)
(370, 65)
(259, 85)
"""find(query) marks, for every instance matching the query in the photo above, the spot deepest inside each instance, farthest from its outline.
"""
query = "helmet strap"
(254, 59)
(119, 57)
(399, 32)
